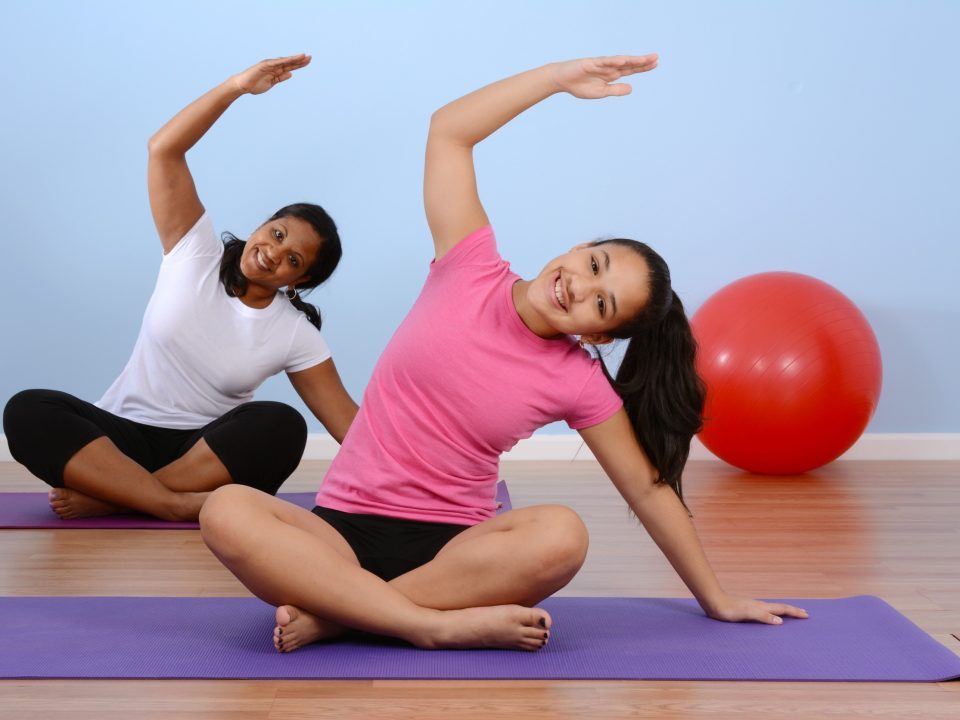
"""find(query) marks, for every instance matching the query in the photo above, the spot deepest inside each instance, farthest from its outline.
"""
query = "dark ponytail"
(311, 311)
(662, 393)
(328, 257)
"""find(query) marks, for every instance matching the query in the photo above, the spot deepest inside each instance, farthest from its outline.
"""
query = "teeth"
(559, 293)
(261, 261)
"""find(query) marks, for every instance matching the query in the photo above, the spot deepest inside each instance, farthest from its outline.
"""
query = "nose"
(581, 288)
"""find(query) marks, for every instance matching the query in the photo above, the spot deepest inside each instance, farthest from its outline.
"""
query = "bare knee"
(564, 541)
(223, 517)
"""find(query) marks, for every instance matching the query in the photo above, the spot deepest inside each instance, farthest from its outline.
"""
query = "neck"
(257, 296)
(528, 316)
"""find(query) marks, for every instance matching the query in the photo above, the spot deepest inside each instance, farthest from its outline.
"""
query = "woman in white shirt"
(180, 421)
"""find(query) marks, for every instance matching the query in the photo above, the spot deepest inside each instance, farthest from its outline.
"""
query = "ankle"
(432, 633)
(181, 507)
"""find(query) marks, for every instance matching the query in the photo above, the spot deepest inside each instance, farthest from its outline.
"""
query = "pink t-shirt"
(461, 381)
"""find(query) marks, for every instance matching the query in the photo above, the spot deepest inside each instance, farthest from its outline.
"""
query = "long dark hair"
(662, 393)
(328, 257)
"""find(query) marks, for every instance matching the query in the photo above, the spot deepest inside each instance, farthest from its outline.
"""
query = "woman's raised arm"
(450, 194)
(173, 194)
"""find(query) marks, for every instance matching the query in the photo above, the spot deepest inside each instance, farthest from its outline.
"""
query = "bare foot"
(296, 628)
(512, 627)
(70, 504)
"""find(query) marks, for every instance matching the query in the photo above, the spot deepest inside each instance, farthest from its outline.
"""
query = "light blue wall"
(819, 137)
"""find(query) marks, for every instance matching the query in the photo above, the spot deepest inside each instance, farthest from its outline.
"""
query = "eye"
(593, 265)
(293, 260)
(601, 306)
(278, 234)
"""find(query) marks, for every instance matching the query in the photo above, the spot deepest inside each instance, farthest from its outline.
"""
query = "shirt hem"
(445, 518)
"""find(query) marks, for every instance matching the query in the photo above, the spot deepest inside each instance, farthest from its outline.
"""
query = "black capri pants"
(260, 443)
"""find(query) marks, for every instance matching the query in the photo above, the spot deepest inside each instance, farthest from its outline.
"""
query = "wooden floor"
(882, 528)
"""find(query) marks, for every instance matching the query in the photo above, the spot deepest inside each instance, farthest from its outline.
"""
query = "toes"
(531, 645)
(536, 635)
(285, 615)
(541, 619)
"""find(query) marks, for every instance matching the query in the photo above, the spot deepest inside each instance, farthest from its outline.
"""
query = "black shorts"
(389, 547)
(260, 443)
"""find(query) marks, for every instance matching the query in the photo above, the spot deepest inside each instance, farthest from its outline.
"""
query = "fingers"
(290, 61)
(773, 611)
(282, 68)
(628, 64)
(618, 89)
(789, 610)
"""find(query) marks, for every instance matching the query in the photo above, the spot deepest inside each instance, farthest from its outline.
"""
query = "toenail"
(543, 622)
(546, 635)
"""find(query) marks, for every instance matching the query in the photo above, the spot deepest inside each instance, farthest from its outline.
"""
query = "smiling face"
(279, 253)
(589, 291)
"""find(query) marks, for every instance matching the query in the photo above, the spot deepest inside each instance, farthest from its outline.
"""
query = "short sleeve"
(477, 248)
(308, 347)
(597, 401)
(199, 241)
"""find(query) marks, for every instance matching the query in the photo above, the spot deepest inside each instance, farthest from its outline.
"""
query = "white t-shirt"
(200, 352)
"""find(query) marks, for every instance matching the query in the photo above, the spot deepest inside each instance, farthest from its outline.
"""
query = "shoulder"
(307, 345)
(594, 398)
(199, 241)
(478, 247)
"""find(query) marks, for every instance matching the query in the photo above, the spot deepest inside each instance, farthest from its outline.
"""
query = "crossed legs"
(99, 463)
(100, 480)
(477, 592)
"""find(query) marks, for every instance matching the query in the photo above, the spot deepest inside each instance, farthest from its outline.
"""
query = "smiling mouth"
(558, 292)
(261, 261)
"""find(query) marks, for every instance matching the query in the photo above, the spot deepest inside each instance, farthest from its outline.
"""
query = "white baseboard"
(872, 446)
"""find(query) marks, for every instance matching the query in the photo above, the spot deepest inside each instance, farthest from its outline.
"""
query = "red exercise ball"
(792, 370)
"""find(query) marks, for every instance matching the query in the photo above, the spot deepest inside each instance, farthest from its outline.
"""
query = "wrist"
(550, 71)
(232, 88)
(712, 603)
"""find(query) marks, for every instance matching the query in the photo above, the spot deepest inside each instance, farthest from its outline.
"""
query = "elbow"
(445, 133)
(155, 145)
(159, 146)
(441, 127)
(436, 124)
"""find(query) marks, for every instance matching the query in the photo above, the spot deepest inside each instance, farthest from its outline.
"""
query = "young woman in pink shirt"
(404, 540)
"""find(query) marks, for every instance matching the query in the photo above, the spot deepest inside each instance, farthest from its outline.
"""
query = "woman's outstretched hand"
(592, 78)
(734, 609)
(267, 73)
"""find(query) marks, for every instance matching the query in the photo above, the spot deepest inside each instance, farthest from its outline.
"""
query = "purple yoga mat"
(31, 510)
(850, 639)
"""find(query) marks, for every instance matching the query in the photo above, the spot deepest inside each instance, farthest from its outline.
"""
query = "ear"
(300, 280)
(595, 339)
